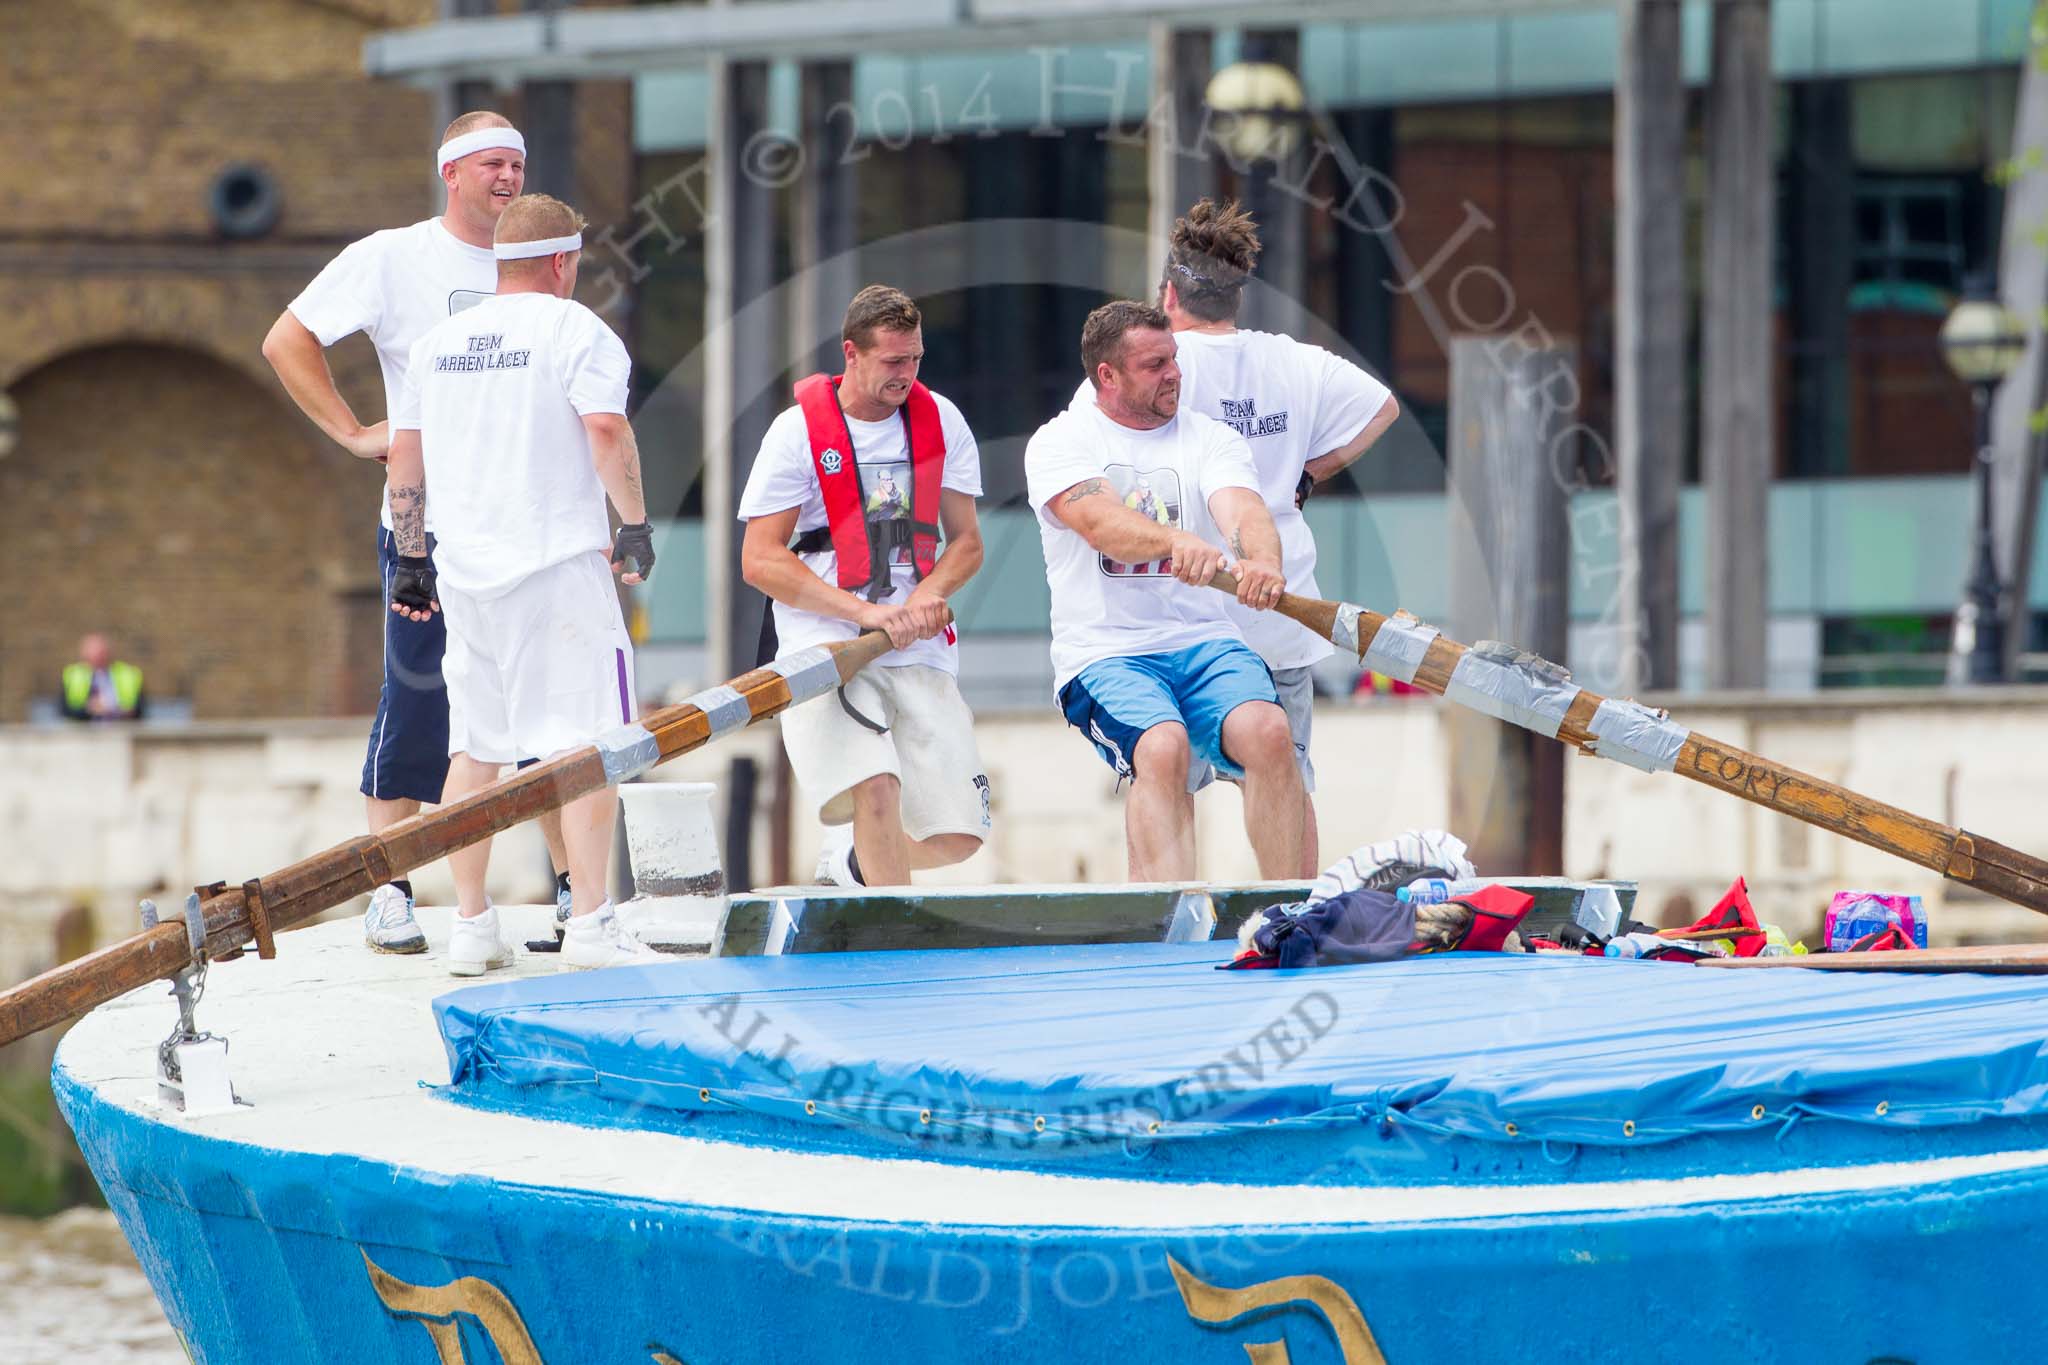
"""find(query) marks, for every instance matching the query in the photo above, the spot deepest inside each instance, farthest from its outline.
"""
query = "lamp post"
(1261, 133)
(1981, 342)
(1264, 101)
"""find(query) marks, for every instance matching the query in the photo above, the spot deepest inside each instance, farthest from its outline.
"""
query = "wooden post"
(1650, 328)
(1365, 269)
(548, 122)
(458, 97)
(1178, 169)
(1280, 305)
(1820, 205)
(1509, 556)
(2015, 442)
(739, 354)
(1738, 422)
(547, 119)
(827, 274)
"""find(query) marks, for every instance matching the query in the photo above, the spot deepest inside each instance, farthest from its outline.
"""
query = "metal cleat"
(191, 1066)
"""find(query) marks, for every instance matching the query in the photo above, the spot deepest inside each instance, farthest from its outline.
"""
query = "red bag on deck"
(1496, 910)
(1732, 920)
(1890, 939)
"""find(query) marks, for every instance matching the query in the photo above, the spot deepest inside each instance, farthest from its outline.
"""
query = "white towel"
(1420, 847)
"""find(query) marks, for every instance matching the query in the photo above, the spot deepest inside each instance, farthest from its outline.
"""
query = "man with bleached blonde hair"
(393, 285)
(512, 428)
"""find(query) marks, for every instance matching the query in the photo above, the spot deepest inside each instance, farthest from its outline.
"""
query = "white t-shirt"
(394, 285)
(498, 396)
(1103, 608)
(784, 476)
(1292, 402)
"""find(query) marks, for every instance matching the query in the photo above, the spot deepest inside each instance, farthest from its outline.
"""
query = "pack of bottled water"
(1855, 915)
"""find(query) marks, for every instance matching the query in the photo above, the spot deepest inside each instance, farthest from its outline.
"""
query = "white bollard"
(678, 881)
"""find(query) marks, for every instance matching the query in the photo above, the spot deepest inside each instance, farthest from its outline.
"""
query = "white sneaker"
(475, 946)
(835, 862)
(599, 940)
(388, 925)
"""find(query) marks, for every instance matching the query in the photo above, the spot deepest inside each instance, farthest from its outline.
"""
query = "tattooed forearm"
(1237, 542)
(409, 519)
(1086, 488)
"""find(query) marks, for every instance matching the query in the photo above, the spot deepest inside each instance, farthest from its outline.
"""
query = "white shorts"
(928, 746)
(541, 668)
(1297, 689)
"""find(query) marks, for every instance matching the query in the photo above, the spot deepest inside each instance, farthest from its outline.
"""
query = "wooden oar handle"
(1319, 616)
(1956, 854)
(297, 893)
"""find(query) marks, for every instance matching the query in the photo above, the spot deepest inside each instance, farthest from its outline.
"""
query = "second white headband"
(456, 148)
(546, 246)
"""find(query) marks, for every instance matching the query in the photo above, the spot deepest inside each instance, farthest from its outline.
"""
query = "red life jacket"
(863, 559)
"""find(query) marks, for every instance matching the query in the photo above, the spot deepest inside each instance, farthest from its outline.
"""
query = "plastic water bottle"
(1633, 945)
(1437, 890)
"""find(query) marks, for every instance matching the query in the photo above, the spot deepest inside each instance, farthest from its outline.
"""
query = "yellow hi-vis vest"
(127, 685)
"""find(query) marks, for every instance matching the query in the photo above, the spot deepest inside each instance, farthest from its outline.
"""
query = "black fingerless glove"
(412, 584)
(633, 546)
(1303, 489)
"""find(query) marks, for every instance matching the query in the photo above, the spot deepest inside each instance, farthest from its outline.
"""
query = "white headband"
(546, 246)
(456, 148)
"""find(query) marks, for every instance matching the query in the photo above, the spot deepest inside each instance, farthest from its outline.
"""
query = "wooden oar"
(1538, 695)
(252, 912)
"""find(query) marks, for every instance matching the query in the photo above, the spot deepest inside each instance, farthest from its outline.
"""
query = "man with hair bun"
(393, 285)
(1137, 498)
(1305, 412)
(512, 428)
(844, 508)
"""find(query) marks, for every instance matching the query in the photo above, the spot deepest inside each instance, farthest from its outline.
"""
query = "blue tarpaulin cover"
(1151, 1041)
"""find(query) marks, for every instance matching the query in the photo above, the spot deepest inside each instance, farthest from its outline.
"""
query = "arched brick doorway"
(164, 498)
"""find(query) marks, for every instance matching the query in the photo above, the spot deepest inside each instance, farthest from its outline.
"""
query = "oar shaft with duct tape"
(1538, 695)
(252, 912)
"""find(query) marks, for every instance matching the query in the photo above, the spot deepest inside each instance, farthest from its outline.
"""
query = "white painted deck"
(330, 1041)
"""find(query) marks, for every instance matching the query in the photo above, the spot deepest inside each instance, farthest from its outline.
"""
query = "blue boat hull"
(268, 1256)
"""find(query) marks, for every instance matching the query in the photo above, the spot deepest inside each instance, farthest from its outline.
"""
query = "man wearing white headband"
(394, 285)
(512, 429)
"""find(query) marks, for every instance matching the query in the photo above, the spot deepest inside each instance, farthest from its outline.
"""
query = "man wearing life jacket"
(833, 539)
(99, 686)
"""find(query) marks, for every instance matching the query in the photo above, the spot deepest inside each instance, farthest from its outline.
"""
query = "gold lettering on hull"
(1216, 1306)
(436, 1308)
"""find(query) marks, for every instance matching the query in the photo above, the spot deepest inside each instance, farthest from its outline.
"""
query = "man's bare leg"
(384, 814)
(879, 844)
(942, 850)
(1256, 738)
(469, 865)
(586, 828)
(1159, 815)
(1311, 840)
(558, 850)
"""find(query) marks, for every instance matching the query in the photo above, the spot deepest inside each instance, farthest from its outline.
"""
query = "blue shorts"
(1115, 701)
(408, 757)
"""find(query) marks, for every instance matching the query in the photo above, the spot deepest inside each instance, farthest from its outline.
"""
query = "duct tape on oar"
(1532, 692)
(229, 921)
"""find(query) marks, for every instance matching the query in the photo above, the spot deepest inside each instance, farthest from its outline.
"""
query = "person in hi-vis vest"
(101, 687)
(844, 508)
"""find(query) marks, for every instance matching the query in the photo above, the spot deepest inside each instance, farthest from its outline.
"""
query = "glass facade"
(1488, 144)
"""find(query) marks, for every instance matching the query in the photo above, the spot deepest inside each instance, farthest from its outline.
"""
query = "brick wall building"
(164, 489)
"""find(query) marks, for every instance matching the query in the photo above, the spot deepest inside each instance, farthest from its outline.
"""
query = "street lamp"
(1981, 342)
(1264, 101)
